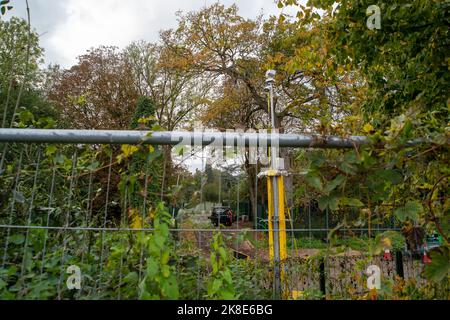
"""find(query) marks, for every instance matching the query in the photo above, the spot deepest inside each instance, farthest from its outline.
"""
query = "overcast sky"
(70, 27)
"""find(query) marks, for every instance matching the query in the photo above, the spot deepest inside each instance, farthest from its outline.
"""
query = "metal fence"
(65, 205)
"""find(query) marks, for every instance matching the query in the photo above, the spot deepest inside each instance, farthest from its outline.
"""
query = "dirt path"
(243, 248)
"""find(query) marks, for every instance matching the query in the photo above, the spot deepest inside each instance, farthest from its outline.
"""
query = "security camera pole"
(275, 189)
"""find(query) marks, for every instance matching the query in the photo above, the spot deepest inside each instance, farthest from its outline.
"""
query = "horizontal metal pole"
(31, 227)
(178, 137)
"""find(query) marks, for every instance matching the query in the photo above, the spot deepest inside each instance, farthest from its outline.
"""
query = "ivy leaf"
(351, 157)
(314, 181)
(50, 149)
(328, 201)
(317, 158)
(331, 185)
(439, 267)
(410, 210)
(353, 202)
(391, 175)
(347, 168)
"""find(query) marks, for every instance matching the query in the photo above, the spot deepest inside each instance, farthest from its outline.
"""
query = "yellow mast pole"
(275, 189)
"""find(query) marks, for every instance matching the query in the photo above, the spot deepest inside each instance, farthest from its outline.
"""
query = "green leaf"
(323, 202)
(217, 283)
(17, 239)
(439, 267)
(353, 202)
(159, 240)
(227, 295)
(59, 159)
(410, 210)
(331, 202)
(170, 288)
(223, 253)
(347, 168)
(131, 277)
(351, 157)
(391, 175)
(152, 268)
(145, 296)
(165, 257)
(165, 271)
(331, 185)
(2, 284)
(317, 158)
(94, 165)
(50, 149)
(25, 116)
(226, 274)
(314, 181)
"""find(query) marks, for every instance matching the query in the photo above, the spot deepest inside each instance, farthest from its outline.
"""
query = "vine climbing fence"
(94, 207)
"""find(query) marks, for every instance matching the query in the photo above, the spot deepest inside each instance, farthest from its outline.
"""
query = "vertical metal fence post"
(399, 264)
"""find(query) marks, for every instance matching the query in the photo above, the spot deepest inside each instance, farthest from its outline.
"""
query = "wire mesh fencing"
(85, 222)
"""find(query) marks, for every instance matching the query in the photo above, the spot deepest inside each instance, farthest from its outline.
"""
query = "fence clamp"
(273, 173)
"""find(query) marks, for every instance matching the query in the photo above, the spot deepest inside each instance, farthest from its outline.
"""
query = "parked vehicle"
(222, 215)
(430, 241)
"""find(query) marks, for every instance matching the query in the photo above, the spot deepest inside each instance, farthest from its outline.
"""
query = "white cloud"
(71, 27)
(92, 23)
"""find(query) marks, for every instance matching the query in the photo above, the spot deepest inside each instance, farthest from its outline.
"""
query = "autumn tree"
(405, 65)
(176, 91)
(96, 93)
(236, 51)
(174, 88)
